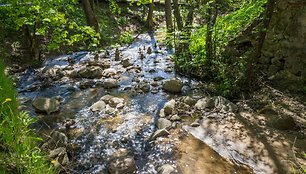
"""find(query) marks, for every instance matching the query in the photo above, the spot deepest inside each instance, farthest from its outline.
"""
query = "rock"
(175, 118)
(224, 104)
(117, 55)
(189, 101)
(122, 165)
(106, 98)
(159, 133)
(268, 111)
(86, 84)
(46, 105)
(285, 122)
(207, 102)
(69, 123)
(109, 72)
(163, 123)
(158, 78)
(90, 73)
(126, 63)
(149, 50)
(195, 123)
(169, 106)
(115, 101)
(143, 86)
(166, 169)
(173, 85)
(59, 138)
(57, 152)
(98, 106)
(110, 83)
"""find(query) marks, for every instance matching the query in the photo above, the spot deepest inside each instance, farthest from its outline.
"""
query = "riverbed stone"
(110, 83)
(116, 101)
(169, 107)
(90, 72)
(163, 123)
(57, 152)
(109, 72)
(122, 165)
(98, 106)
(173, 85)
(106, 98)
(189, 101)
(46, 105)
(166, 169)
(160, 133)
(175, 118)
(207, 102)
(126, 62)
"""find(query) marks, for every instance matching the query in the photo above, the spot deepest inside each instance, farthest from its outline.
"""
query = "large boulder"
(173, 85)
(46, 105)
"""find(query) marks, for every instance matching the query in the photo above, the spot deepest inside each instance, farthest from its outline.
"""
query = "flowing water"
(97, 136)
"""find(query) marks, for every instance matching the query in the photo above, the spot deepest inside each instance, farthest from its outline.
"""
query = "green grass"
(18, 143)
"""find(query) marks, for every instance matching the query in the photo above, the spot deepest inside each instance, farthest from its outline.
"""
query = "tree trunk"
(262, 35)
(168, 16)
(211, 20)
(150, 22)
(177, 15)
(90, 15)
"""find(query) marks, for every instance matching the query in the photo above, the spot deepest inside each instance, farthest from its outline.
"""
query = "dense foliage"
(228, 26)
(18, 143)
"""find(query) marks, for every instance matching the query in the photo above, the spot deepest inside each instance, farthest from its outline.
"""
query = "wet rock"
(173, 85)
(106, 98)
(189, 101)
(143, 86)
(284, 122)
(122, 165)
(163, 123)
(117, 55)
(86, 84)
(175, 118)
(126, 62)
(154, 84)
(98, 106)
(169, 107)
(46, 105)
(158, 78)
(152, 71)
(115, 101)
(90, 73)
(109, 72)
(166, 169)
(149, 50)
(69, 123)
(110, 83)
(160, 133)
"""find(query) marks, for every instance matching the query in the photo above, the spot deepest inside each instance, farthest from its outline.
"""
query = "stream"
(128, 117)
